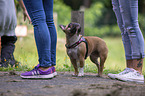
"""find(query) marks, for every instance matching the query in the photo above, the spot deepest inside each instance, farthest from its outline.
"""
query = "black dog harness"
(82, 39)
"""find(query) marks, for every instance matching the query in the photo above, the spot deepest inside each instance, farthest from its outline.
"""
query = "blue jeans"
(126, 12)
(41, 14)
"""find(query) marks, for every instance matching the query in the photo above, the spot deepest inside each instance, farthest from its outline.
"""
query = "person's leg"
(137, 60)
(0, 51)
(117, 7)
(41, 32)
(48, 8)
(129, 12)
(43, 41)
(8, 47)
(125, 37)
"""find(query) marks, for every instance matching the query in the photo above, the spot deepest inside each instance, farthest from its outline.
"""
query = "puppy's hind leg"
(94, 59)
(102, 61)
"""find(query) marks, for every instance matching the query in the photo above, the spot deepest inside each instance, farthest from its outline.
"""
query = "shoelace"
(133, 74)
(126, 70)
(136, 74)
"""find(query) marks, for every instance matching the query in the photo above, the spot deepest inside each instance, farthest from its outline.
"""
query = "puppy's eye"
(69, 25)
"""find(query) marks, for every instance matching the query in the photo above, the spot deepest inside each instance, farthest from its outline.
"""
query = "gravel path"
(65, 85)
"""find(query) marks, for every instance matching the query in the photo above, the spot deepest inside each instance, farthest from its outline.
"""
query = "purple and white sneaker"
(53, 71)
(37, 73)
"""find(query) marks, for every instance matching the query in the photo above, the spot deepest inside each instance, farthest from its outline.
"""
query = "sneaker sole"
(38, 76)
(131, 80)
(54, 74)
(112, 76)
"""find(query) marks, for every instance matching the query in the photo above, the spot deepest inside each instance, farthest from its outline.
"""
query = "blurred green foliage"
(92, 25)
(141, 20)
(95, 22)
(63, 12)
(99, 18)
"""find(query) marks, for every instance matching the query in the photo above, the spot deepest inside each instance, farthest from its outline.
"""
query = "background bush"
(99, 18)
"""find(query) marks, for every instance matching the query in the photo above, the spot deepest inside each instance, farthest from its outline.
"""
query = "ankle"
(136, 64)
(129, 63)
(44, 68)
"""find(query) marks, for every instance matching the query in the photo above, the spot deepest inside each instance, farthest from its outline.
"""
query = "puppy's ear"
(75, 28)
(62, 27)
(78, 28)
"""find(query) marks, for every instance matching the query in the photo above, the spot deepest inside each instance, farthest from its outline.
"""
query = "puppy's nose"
(62, 26)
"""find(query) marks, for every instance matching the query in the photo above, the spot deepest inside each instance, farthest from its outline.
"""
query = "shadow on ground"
(65, 85)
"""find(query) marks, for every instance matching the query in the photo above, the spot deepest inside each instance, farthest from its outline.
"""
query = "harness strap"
(82, 39)
(75, 44)
(86, 55)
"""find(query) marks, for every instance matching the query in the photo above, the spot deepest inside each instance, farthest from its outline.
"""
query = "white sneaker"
(113, 76)
(132, 76)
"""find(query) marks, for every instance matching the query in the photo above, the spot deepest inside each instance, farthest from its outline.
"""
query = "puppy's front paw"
(75, 75)
(81, 74)
(99, 75)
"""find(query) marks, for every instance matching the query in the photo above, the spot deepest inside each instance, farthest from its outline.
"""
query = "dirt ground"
(65, 84)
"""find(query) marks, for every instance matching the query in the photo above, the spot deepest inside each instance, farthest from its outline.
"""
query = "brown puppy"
(78, 48)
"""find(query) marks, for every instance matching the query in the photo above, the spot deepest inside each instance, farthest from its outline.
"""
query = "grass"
(26, 53)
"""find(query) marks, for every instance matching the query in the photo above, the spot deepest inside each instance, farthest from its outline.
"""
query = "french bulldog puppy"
(80, 47)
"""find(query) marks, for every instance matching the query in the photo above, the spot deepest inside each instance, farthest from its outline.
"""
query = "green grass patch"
(26, 54)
